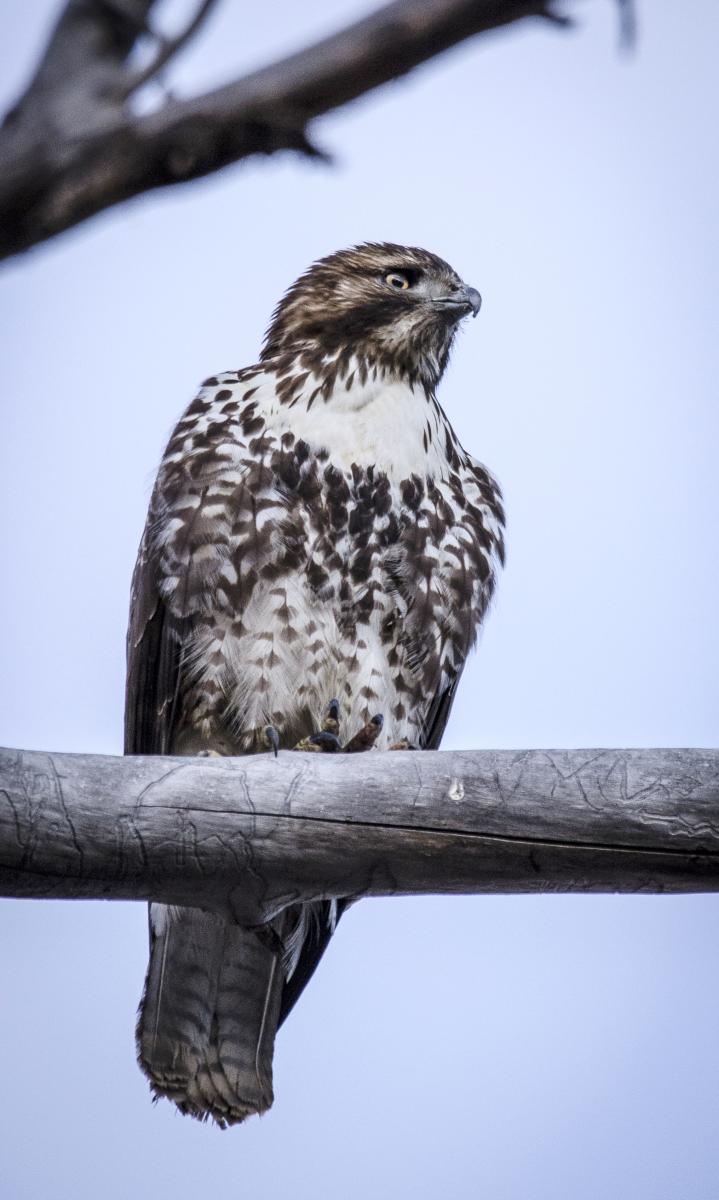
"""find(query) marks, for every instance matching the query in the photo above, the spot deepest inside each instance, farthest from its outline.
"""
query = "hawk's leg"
(404, 744)
(327, 740)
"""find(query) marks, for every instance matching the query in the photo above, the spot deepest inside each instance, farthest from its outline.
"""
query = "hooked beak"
(462, 297)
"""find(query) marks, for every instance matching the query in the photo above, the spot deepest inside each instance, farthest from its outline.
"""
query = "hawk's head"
(394, 307)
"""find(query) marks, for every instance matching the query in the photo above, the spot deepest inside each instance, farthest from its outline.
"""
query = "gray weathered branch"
(72, 145)
(247, 836)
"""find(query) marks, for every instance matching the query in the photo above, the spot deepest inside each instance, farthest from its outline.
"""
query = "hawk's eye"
(397, 280)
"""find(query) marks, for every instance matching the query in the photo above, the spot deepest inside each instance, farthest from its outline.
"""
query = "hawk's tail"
(208, 1015)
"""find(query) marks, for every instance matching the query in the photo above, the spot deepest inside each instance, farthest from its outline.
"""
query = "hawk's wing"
(154, 651)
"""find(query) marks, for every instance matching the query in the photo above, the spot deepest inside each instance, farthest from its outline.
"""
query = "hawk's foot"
(404, 744)
(327, 740)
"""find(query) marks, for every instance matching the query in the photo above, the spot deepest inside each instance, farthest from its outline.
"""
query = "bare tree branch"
(169, 48)
(247, 836)
(72, 147)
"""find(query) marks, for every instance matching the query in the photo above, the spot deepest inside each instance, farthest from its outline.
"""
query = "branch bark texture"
(248, 836)
(73, 146)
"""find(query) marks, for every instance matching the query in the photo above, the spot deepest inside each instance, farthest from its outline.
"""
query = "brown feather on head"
(394, 307)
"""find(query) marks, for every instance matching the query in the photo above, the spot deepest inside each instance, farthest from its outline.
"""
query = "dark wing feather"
(438, 716)
(154, 649)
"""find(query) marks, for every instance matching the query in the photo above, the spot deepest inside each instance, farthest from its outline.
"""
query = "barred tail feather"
(208, 1015)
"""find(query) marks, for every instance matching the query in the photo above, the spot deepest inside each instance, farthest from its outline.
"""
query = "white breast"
(384, 423)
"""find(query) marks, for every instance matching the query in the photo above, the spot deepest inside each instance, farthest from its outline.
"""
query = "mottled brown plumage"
(316, 530)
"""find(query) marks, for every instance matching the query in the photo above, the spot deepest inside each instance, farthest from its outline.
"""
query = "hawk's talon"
(331, 723)
(272, 738)
(367, 736)
(404, 744)
(323, 742)
(326, 741)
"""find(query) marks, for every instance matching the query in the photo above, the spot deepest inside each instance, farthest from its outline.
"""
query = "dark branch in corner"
(72, 147)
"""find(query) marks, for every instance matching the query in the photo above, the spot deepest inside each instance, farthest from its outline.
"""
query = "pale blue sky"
(508, 1048)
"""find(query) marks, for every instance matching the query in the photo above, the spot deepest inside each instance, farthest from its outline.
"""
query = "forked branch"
(73, 145)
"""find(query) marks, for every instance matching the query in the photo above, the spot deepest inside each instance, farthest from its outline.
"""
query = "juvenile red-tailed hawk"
(316, 533)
